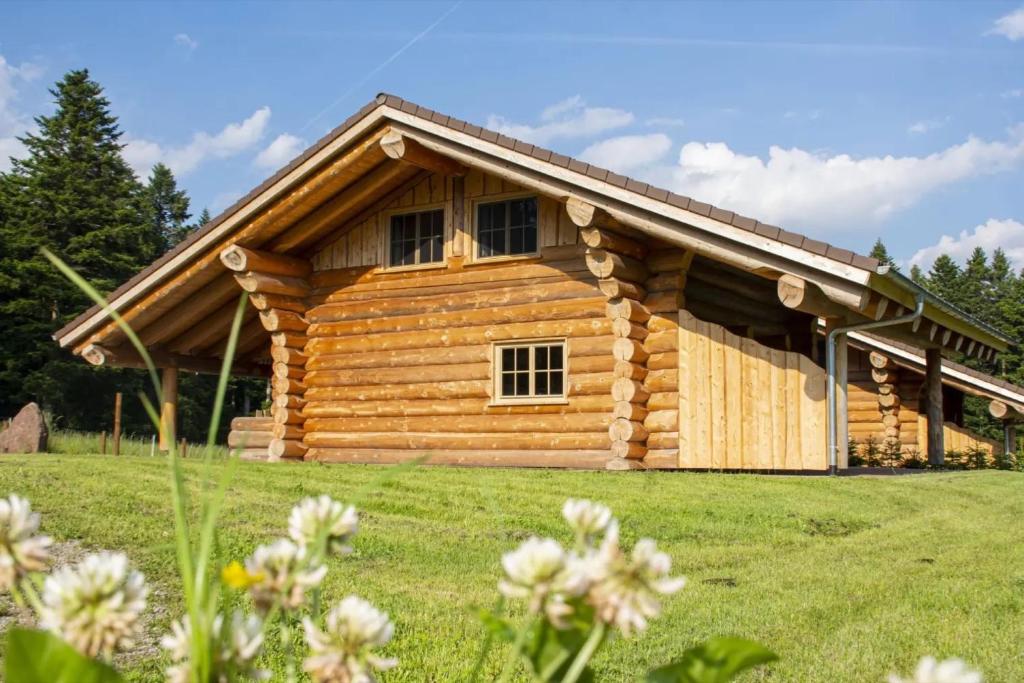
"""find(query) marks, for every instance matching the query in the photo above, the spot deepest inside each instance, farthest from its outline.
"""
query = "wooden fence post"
(117, 423)
(182, 448)
(103, 443)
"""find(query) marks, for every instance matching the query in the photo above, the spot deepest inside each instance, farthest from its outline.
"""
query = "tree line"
(988, 288)
(73, 193)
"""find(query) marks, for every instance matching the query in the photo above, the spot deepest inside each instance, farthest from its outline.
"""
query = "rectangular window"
(416, 238)
(530, 371)
(507, 227)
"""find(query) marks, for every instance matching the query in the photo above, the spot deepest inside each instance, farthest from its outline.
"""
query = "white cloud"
(186, 41)
(1007, 235)
(807, 189)
(283, 149)
(926, 126)
(1011, 25)
(570, 118)
(232, 140)
(623, 154)
(665, 122)
(13, 122)
(1012, 93)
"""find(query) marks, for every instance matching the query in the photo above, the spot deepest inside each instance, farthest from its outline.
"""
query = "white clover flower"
(323, 519)
(234, 652)
(343, 652)
(95, 606)
(949, 671)
(626, 590)
(281, 574)
(546, 576)
(21, 551)
(587, 519)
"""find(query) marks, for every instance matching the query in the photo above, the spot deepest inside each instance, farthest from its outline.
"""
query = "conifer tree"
(880, 253)
(74, 194)
(204, 218)
(168, 207)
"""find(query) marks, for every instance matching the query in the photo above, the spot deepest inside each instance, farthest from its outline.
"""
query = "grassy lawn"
(846, 579)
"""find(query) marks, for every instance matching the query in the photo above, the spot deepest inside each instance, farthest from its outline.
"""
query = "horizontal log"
(622, 429)
(595, 403)
(252, 424)
(492, 441)
(252, 453)
(267, 302)
(596, 383)
(674, 281)
(663, 400)
(666, 360)
(285, 400)
(286, 448)
(664, 302)
(553, 310)
(624, 368)
(288, 416)
(661, 459)
(797, 294)
(273, 284)
(604, 264)
(738, 283)
(629, 450)
(600, 238)
(662, 342)
(289, 340)
(572, 459)
(288, 356)
(662, 421)
(615, 288)
(435, 373)
(287, 431)
(485, 298)
(404, 148)
(249, 439)
(669, 260)
(662, 380)
(629, 350)
(627, 309)
(624, 329)
(664, 322)
(287, 386)
(240, 260)
(283, 321)
(464, 424)
(663, 440)
(732, 306)
(629, 390)
(635, 412)
(285, 371)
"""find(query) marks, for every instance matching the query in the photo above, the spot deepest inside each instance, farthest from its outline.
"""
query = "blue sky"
(845, 121)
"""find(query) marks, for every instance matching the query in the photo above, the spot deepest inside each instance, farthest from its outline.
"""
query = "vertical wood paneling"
(743, 405)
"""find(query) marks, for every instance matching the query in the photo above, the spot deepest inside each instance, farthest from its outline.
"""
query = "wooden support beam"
(605, 264)
(240, 260)
(1004, 411)
(168, 407)
(127, 357)
(800, 295)
(401, 148)
(600, 238)
(273, 284)
(933, 393)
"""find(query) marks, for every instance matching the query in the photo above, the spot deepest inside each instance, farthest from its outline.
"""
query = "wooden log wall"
(743, 405)
(252, 435)
(875, 419)
(278, 287)
(886, 377)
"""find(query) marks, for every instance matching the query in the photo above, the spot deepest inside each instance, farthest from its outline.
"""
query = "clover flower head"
(930, 670)
(21, 551)
(545, 575)
(96, 605)
(282, 572)
(234, 652)
(323, 519)
(343, 651)
(626, 589)
(587, 519)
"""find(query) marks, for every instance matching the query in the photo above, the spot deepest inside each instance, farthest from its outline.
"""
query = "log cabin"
(419, 286)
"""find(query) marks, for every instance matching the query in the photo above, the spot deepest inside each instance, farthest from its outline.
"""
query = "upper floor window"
(416, 238)
(507, 227)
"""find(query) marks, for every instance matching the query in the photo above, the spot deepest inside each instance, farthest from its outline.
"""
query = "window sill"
(483, 260)
(439, 265)
(505, 402)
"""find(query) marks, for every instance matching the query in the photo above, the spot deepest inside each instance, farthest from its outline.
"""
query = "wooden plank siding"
(400, 360)
(743, 405)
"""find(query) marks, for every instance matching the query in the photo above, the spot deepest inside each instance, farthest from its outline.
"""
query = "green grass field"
(846, 579)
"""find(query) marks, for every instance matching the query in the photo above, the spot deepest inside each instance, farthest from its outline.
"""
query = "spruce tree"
(880, 253)
(944, 278)
(74, 194)
(204, 218)
(167, 206)
(917, 275)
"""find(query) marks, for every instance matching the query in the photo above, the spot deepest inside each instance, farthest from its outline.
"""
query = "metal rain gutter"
(830, 367)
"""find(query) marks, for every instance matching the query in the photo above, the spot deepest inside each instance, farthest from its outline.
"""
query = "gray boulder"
(26, 433)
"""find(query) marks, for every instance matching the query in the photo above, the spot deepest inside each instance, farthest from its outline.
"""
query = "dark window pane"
(508, 359)
(515, 241)
(522, 384)
(530, 239)
(540, 357)
(540, 383)
(516, 216)
(522, 358)
(556, 383)
(508, 384)
(556, 356)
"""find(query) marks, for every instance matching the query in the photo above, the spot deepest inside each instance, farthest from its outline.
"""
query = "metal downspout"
(830, 367)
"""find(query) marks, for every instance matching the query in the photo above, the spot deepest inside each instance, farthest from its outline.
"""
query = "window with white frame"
(507, 227)
(416, 238)
(530, 371)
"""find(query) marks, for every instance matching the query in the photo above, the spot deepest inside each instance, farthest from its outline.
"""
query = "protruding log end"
(95, 354)
(623, 465)
(233, 258)
(581, 213)
(402, 148)
(1003, 411)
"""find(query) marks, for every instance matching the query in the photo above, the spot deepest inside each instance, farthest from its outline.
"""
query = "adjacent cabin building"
(420, 286)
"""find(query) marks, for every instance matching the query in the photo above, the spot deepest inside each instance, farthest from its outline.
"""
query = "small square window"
(530, 371)
(416, 238)
(506, 228)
